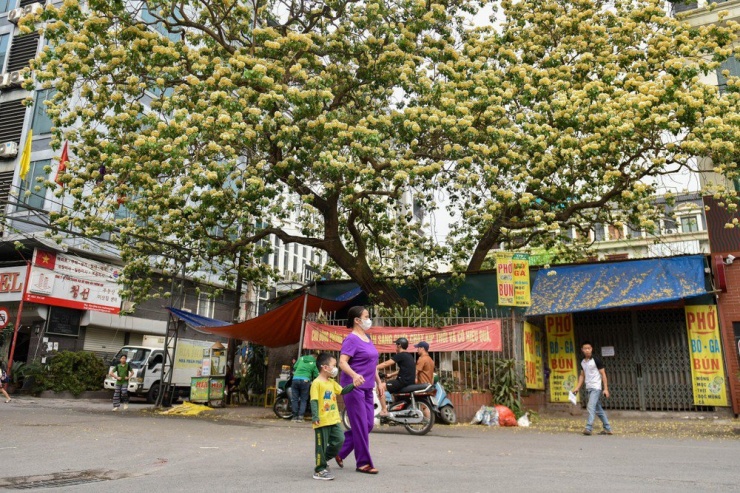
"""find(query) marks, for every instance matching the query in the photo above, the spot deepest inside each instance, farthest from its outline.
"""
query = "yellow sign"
(512, 278)
(199, 389)
(533, 371)
(707, 369)
(562, 356)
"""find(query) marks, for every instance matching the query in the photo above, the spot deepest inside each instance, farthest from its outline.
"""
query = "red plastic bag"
(505, 416)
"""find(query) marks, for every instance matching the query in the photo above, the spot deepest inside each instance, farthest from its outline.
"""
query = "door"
(650, 369)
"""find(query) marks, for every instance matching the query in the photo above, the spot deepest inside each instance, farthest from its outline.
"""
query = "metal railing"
(460, 370)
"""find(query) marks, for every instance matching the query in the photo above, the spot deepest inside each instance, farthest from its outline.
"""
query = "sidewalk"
(720, 425)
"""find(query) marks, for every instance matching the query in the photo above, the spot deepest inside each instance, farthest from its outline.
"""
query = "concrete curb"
(94, 394)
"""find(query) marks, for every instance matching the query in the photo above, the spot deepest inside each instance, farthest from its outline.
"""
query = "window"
(684, 6)
(5, 6)
(669, 226)
(689, 224)
(3, 46)
(615, 233)
(568, 233)
(598, 232)
(31, 192)
(732, 66)
(206, 305)
(158, 26)
(41, 122)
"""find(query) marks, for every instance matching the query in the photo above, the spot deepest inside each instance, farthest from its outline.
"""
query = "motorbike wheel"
(425, 426)
(345, 420)
(282, 408)
(447, 415)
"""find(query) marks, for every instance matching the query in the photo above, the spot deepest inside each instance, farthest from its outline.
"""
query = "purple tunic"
(363, 359)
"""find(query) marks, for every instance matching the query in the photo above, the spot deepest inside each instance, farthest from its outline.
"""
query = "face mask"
(334, 372)
(366, 324)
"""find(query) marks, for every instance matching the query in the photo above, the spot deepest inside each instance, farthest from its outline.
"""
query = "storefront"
(635, 315)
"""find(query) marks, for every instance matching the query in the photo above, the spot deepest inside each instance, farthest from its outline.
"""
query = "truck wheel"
(151, 396)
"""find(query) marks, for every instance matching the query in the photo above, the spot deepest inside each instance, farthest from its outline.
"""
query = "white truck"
(146, 362)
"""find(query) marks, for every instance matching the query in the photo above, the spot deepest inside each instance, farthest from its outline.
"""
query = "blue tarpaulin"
(193, 320)
(579, 288)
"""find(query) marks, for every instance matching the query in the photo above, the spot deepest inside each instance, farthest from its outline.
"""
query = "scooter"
(412, 408)
(443, 407)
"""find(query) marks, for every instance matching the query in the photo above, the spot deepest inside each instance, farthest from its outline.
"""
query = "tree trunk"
(380, 291)
(485, 244)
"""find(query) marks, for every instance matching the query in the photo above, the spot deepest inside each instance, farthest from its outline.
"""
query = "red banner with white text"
(475, 336)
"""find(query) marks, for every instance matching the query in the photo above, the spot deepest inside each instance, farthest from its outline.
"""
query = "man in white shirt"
(594, 376)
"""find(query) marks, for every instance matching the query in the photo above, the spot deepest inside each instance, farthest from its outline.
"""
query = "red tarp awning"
(278, 327)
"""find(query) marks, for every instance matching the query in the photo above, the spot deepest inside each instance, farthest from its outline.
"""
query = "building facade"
(25, 206)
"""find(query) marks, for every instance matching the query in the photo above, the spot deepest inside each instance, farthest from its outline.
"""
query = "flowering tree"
(568, 114)
(201, 127)
(215, 124)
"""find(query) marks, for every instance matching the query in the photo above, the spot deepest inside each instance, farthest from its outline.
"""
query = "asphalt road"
(83, 446)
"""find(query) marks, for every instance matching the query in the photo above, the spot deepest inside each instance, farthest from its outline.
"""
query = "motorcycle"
(412, 408)
(443, 407)
(282, 407)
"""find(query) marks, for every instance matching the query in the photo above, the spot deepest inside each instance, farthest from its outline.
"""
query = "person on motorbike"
(404, 376)
(425, 364)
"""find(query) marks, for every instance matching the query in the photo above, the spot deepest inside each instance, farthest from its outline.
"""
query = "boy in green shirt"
(121, 373)
(325, 414)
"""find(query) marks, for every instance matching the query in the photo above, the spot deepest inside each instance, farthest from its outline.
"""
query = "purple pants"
(359, 405)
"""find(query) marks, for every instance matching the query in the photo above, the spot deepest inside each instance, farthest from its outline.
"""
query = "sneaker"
(606, 432)
(125, 406)
(323, 475)
(115, 409)
(297, 420)
(587, 432)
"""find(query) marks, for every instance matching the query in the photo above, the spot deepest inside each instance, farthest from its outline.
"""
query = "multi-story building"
(25, 206)
(681, 231)
(724, 241)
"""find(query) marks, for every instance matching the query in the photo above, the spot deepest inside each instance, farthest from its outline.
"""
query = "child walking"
(325, 414)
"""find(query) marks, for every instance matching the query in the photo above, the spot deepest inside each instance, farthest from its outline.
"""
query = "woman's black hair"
(352, 314)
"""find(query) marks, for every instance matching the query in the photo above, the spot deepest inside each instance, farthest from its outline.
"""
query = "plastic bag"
(486, 416)
(478, 416)
(524, 420)
(490, 416)
(505, 416)
(572, 398)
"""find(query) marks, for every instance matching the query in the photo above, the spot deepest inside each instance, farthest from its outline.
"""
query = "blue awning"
(194, 320)
(579, 288)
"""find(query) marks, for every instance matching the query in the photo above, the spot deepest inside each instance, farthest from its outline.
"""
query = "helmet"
(403, 342)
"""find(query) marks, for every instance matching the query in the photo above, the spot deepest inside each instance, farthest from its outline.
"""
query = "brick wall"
(729, 312)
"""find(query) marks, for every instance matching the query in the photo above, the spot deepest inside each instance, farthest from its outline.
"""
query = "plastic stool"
(270, 396)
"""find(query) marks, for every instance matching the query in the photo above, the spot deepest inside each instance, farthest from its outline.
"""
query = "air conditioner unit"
(15, 78)
(15, 15)
(8, 150)
(34, 8)
(670, 231)
(4, 81)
